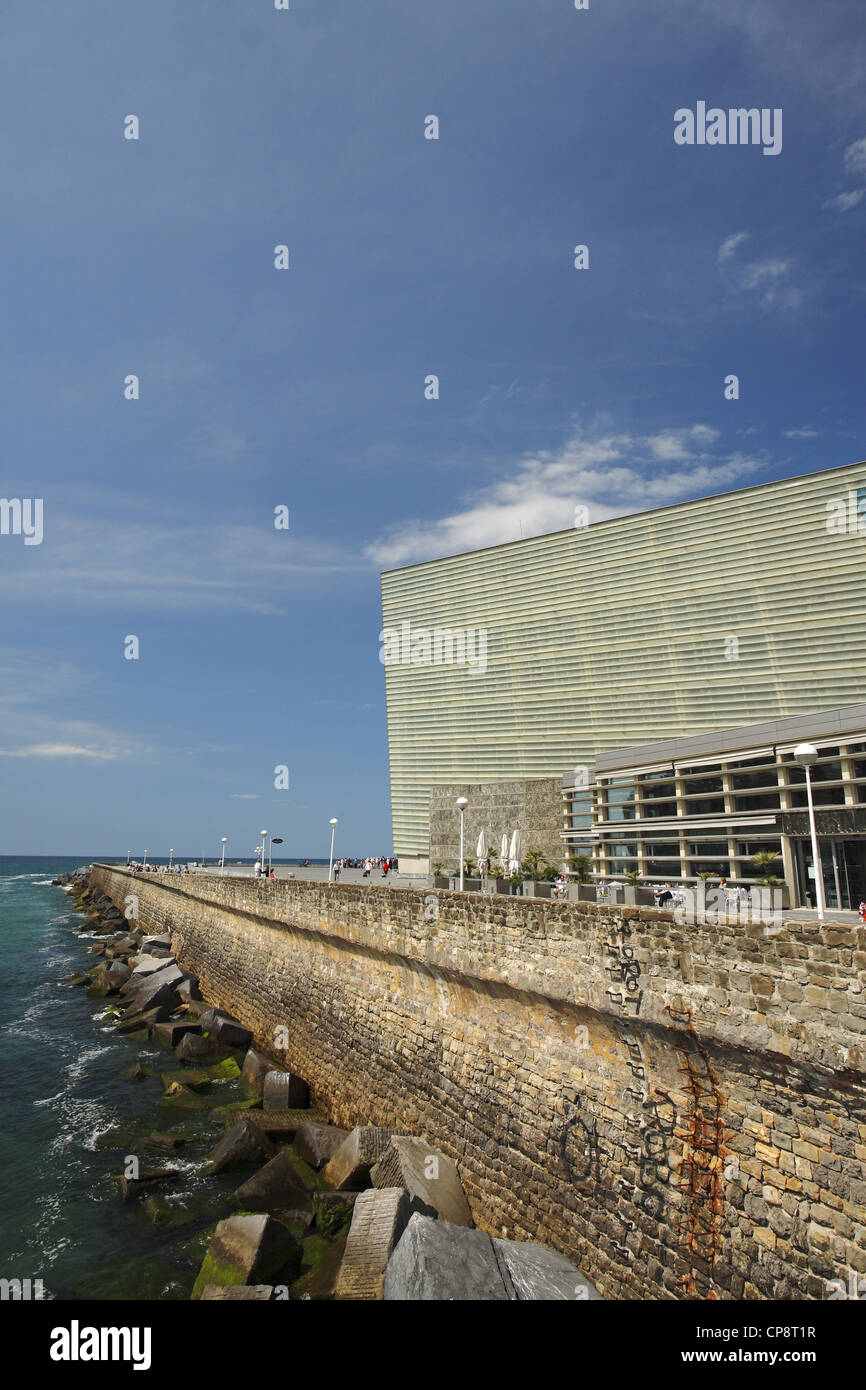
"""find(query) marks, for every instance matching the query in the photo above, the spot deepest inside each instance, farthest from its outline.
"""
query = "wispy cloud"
(61, 750)
(730, 244)
(245, 796)
(161, 564)
(804, 432)
(608, 474)
(854, 161)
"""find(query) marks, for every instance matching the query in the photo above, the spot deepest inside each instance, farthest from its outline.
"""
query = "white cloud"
(60, 750)
(804, 432)
(854, 157)
(843, 202)
(609, 474)
(730, 244)
(245, 796)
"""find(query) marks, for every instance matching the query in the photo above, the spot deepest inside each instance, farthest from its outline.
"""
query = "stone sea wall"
(679, 1109)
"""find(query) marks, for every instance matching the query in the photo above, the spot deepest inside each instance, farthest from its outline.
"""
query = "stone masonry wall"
(681, 1110)
(533, 806)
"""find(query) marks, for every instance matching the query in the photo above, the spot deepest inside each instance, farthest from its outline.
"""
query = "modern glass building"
(710, 804)
(524, 660)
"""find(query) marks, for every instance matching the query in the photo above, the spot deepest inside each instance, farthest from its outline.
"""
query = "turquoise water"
(64, 1084)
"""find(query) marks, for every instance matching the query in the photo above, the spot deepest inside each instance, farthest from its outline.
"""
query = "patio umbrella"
(481, 848)
(503, 853)
(514, 853)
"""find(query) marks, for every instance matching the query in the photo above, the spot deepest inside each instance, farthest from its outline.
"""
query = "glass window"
(719, 868)
(758, 801)
(656, 790)
(663, 869)
(821, 796)
(708, 847)
(706, 806)
(659, 808)
(763, 777)
(746, 848)
(663, 849)
(700, 786)
(581, 817)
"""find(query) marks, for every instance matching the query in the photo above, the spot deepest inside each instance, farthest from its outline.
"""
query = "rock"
(242, 1146)
(283, 1090)
(131, 1023)
(378, 1221)
(276, 1187)
(194, 1047)
(316, 1144)
(229, 1032)
(247, 1292)
(162, 939)
(115, 975)
(170, 1143)
(334, 1212)
(255, 1068)
(435, 1261)
(133, 1187)
(148, 965)
(97, 948)
(179, 1097)
(360, 1150)
(539, 1274)
(158, 988)
(248, 1249)
(188, 1076)
(426, 1174)
(174, 1029)
(282, 1122)
(188, 989)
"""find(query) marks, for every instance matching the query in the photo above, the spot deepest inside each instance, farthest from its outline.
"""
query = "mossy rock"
(308, 1176)
(213, 1271)
(226, 1070)
(227, 1112)
(333, 1219)
(126, 1137)
(320, 1280)
(179, 1098)
(314, 1247)
(189, 1077)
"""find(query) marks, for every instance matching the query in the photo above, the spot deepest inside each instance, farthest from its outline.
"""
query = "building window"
(702, 786)
(706, 806)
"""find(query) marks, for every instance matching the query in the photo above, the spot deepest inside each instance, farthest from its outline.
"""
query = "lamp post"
(334, 824)
(806, 754)
(275, 840)
(462, 803)
(128, 857)
(223, 842)
(144, 865)
(264, 835)
(170, 857)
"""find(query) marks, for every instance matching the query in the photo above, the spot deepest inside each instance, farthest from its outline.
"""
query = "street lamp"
(275, 840)
(170, 854)
(223, 842)
(264, 835)
(462, 803)
(806, 754)
(128, 857)
(334, 824)
(145, 860)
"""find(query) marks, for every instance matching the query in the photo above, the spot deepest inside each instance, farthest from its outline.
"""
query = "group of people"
(387, 864)
(159, 869)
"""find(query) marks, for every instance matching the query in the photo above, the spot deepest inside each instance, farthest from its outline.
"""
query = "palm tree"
(582, 866)
(532, 862)
(762, 861)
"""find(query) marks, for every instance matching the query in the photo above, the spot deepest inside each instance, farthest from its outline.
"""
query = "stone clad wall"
(682, 1110)
(532, 806)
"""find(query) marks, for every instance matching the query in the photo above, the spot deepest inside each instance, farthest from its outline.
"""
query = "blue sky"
(305, 387)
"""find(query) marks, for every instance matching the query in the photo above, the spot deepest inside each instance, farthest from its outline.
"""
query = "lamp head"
(334, 821)
(462, 803)
(806, 754)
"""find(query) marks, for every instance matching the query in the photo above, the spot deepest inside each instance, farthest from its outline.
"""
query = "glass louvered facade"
(705, 615)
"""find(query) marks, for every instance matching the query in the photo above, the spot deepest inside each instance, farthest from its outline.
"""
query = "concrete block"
(250, 1248)
(358, 1153)
(539, 1274)
(276, 1187)
(427, 1174)
(284, 1090)
(244, 1144)
(255, 1068)
(435, 1261)
(317, 1144)
(248, 1293)
(379, 1219)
